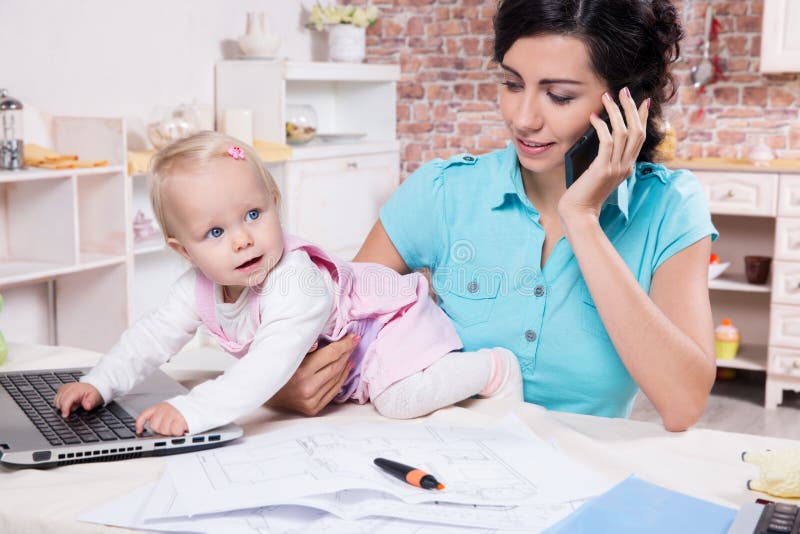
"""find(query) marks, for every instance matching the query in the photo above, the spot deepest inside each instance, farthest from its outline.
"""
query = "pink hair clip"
(236, 152)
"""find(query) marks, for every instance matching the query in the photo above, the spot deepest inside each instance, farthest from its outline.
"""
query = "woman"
(600, 289)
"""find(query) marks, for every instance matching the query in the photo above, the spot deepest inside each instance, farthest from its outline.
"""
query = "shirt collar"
(509, 182)
(507, 178)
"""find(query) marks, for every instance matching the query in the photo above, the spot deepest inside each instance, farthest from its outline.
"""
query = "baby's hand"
(164, 419)
(74, 394)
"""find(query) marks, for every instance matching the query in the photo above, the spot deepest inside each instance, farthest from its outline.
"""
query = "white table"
(702, 463)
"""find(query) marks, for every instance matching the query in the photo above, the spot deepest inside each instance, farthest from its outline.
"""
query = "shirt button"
(530, 336)
(469, 158)
(647, 170)
(538, 291)
(472, 287)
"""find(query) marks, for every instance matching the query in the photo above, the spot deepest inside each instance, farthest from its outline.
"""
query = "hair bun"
(667, 28)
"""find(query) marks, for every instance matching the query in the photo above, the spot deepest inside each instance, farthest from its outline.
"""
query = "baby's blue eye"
(215, 232)
(252, 215)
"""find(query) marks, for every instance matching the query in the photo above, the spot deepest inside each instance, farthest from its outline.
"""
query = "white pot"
(346, 43)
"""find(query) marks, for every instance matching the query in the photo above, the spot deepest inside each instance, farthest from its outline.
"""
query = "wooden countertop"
(731, 164)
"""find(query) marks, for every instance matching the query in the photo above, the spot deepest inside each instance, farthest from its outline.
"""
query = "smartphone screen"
(584, 151)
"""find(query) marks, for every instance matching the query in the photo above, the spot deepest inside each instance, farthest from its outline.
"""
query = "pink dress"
(402, 330)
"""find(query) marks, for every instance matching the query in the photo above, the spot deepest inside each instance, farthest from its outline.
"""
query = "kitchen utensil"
(703, 73)
(11, 141)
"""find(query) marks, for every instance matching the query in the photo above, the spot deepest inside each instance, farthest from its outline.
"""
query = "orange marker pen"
(406, 473)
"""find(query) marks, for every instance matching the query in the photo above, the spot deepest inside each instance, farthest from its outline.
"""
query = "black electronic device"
(584, 151)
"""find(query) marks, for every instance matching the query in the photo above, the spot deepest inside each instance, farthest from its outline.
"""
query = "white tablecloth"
(702, 463)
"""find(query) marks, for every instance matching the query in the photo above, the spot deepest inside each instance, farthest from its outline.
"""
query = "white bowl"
(716, 269)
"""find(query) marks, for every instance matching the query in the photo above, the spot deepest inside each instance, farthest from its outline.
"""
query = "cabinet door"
(335, 201)
(784, 327)
(787, 239)
(784, 362)
(780, 40)
(739, 193)
(789, 196)
(786, 282)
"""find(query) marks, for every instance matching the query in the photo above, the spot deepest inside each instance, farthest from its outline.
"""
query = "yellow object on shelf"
(732, 164)
(139, 160)
(272, 152)
(39, 156)
(726, 340)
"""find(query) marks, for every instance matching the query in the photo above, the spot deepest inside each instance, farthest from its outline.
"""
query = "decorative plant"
(328, 14)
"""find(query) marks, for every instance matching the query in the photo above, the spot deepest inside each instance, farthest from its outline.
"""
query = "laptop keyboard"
(34, 392)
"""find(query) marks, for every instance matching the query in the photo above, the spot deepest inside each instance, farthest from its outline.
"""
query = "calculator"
(769, 518)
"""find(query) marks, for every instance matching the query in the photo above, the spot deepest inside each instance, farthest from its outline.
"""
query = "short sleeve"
(685, 217)
(413, 217)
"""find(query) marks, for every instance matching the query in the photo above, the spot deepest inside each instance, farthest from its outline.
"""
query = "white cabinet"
(331, 191)
(335, 201)
(65, 242)
(780, 38)
(737, 193)
(757, 212)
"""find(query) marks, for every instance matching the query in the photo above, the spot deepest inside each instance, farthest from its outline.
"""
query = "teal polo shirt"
(469, 221)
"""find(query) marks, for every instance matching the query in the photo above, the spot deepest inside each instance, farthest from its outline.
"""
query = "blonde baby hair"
(195, 150)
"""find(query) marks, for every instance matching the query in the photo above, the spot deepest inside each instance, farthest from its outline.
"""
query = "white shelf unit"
(65, 241)
(331, 191)
(749, 358)
(155, 266)
(757, 212)
(780, 43)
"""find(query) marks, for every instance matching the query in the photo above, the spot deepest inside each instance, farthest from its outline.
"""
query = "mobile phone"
(582, 153)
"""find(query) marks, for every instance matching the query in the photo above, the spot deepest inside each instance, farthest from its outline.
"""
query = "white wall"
(127, 58)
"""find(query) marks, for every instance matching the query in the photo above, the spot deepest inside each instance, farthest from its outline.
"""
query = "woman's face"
(549, 91)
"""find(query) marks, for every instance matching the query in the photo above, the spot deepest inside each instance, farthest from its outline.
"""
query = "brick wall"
(447, 98)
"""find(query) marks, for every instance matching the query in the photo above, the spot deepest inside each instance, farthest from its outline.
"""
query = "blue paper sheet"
(635, 506)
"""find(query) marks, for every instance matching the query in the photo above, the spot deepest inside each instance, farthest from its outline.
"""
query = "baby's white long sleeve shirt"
(295, 304)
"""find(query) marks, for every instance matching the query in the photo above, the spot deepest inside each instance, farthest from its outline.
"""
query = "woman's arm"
(321, 375)
(665, 339)
(378, 248)
(318, 379)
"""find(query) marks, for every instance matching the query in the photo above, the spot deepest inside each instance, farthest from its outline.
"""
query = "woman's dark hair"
(630, 42)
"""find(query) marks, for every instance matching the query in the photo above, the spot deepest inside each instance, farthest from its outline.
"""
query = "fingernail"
(607, 96)
(356, 340)
(626, 91)
(648, 103)
(594, 115)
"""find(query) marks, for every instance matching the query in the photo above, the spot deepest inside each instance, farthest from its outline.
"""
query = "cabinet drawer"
(786, 282)
(335, 201)
(739, 193)
(784, 326)
(789, 196)
(784, 362)
(787, 238)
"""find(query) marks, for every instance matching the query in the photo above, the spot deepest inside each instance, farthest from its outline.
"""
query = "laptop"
(33, 433)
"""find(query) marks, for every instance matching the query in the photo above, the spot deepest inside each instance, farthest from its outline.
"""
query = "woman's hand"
(318, 379)
(615, 159)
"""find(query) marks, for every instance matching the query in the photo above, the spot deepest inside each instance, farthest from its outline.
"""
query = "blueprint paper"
(501, 466)
(124, 512)
(358, 504)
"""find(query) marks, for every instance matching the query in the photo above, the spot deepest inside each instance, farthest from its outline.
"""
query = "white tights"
(453, 378)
